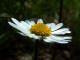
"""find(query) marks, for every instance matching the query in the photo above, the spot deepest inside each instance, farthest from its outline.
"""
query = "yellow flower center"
(40, 29)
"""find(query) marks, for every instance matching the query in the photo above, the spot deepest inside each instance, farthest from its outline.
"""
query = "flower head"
(41, 29)
(50, 32)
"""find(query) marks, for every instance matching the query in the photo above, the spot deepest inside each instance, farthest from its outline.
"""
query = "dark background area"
(13, 46)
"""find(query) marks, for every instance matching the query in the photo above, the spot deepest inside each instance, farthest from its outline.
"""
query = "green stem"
(36, 50)
(61, 9)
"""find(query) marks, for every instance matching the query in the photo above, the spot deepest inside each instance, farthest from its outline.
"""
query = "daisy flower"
(50, 32)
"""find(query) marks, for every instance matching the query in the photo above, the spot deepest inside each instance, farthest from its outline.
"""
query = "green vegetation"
(34, 9)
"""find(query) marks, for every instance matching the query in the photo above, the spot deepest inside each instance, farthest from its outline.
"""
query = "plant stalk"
(36, 50)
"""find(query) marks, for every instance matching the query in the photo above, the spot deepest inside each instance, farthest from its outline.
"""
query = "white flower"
(50, 32)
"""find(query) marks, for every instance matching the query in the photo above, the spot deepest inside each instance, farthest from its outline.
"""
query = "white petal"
(35, 36)
(23, 27)
(40, 21)
(58, 26)
(48, 40)
(30, 22)
(15, 26)
(15, 21)
(29, 34)
(18, 23)
(20, 28)
(21, 33)
(54, 26)
(12, 24)
(62, 31)
(26, 25)
(58, 39)
(68, 37)
(51, 25)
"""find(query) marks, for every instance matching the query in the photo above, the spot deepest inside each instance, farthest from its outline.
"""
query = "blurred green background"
(15, 44)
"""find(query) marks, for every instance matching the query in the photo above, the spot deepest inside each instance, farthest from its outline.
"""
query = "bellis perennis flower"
(50, 32)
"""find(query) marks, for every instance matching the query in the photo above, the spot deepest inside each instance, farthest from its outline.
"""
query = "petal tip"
(40, 21)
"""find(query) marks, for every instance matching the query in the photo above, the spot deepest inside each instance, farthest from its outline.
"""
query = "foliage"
(34, 9)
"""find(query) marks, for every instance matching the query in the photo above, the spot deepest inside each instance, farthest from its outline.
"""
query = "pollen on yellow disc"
(40, 29)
